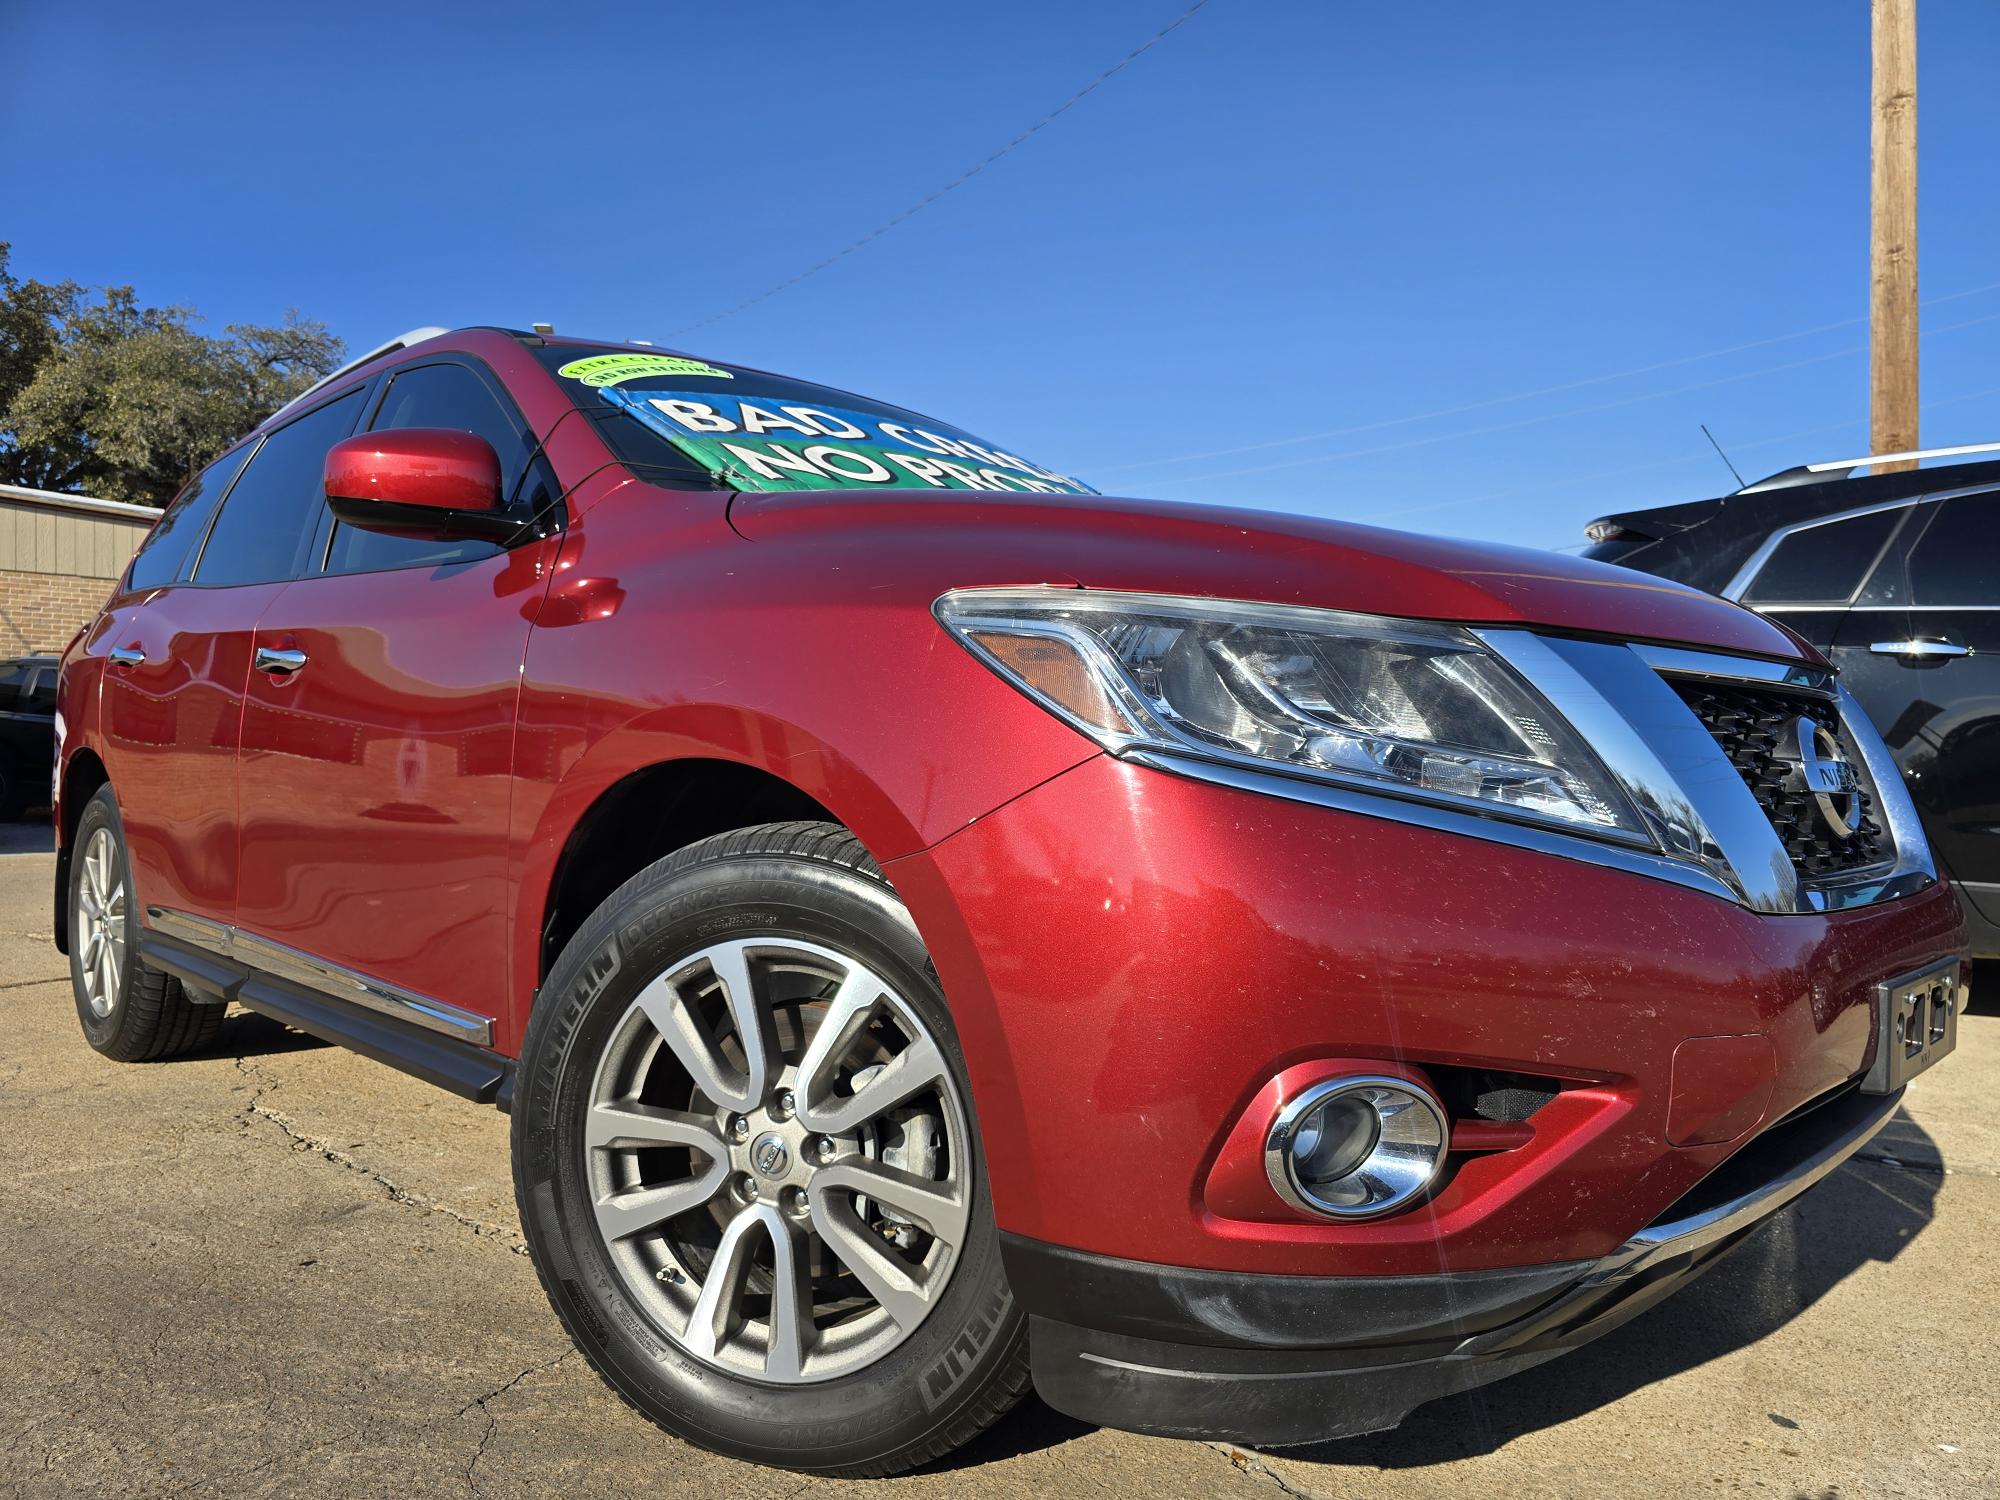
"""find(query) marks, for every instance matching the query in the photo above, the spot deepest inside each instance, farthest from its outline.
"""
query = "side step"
(474, 1073)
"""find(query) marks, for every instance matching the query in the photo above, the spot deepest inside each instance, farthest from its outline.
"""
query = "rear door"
(375, 772)
(177, 646)
(1921, 650)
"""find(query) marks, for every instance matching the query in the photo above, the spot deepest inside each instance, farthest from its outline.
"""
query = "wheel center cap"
(770, 1155)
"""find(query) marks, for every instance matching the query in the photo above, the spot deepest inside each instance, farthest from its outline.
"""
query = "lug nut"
(783, 1107)
(745, 1187)
(795, 1200)
(739, 1128)
(824, 1149)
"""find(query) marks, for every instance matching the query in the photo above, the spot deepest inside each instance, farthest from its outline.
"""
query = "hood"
(963, 539)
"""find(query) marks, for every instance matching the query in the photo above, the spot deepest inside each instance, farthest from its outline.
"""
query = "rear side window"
(1823, 564)
(1958, 560)
(432, 396)
(159, 558)
(274, 508)
(39, 697)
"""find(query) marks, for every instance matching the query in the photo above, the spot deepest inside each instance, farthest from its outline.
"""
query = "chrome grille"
(1753, 725)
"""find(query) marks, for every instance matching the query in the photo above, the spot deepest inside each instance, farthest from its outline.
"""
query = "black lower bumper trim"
(1280, 1360)
(1230, 1309)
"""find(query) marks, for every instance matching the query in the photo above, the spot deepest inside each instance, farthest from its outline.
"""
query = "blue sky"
(1299, 255)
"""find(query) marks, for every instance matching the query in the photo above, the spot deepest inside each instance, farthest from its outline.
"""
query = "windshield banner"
(765, 445)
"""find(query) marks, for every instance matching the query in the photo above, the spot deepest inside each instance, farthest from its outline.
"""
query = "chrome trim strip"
(325, 978)
(1679, 661)
(1679, 1236)
(1662, 1243)
(1439, 819)
(1914, 868)
(1656, 747)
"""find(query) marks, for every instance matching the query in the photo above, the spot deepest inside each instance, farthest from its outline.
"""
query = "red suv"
(938, 929)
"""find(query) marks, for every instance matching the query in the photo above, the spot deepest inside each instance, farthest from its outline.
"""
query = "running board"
(471, 1072)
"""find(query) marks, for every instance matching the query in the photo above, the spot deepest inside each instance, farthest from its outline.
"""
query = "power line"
(1652, 466)
(964, 177)
(1510, 399)
(1557, 416)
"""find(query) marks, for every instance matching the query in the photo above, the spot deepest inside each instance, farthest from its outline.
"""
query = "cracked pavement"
(279, 1269)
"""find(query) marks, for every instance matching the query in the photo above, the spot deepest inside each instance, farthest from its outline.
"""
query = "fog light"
(1356, 1148)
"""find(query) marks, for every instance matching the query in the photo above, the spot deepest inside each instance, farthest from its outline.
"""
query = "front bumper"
(1277, 1360)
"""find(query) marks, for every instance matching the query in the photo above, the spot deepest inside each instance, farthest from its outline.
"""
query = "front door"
(377, 748)
(176, 644)
(1921, 651)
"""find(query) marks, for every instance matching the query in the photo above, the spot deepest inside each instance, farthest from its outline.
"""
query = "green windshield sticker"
(764, 443)
(609, 369)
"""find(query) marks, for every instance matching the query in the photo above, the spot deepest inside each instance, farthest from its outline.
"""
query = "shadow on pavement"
(1864, 1212)
(248, 1034)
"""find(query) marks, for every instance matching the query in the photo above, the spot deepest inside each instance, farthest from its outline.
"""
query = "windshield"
(752, 431)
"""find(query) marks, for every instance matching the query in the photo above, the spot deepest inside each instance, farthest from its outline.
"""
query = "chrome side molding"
(317, 974)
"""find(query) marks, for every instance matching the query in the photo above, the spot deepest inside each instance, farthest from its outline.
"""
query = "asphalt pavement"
(278, 1269)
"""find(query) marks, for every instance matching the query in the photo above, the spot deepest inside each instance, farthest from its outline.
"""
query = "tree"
(126, 402)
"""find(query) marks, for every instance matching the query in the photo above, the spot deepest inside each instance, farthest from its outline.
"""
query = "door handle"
(1920, 648)
(125, 656)
(283, 662)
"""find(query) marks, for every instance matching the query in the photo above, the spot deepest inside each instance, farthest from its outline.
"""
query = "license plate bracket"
(1916, 1023)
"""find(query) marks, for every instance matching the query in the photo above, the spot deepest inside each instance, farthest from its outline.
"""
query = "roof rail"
(1842, 467)
(401, 341)
(1883, 458)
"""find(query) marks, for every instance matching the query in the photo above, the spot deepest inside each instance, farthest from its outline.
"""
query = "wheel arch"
(646, 814)
(82, 776)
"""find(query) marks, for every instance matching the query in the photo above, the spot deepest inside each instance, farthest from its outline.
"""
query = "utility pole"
(1892, 238)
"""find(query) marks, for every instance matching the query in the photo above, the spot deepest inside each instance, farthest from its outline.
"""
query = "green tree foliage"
(101, 395)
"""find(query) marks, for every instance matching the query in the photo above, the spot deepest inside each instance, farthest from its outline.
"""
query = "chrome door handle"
(1919, 648)
(125, 656)
(283, 662)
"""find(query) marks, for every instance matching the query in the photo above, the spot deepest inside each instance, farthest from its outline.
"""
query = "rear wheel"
(130, 1011)
(748, 1169)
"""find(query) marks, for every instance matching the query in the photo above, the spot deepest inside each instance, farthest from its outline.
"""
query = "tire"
(623, 1102)
(130, 1011)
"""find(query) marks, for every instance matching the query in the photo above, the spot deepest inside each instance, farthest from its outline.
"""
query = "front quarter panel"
(666, 636)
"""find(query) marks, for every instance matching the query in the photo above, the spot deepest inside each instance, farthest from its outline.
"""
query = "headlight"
(1399, 706)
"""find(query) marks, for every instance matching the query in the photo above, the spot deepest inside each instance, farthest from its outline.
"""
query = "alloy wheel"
(778, 1160)
(100, 903)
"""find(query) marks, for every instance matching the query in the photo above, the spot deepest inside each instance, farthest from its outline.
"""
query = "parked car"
(937, 928)
(1895, 578)
(27, 732)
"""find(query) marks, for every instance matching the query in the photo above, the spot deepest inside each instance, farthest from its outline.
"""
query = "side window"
(1958, 560)
(1822, 564)
(40, 695)
(274, 507)
(432, 396)
(14, 678)
(159, 558)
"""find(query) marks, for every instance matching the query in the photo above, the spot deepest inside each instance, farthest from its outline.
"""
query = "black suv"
(27, 732)
(1896, 577)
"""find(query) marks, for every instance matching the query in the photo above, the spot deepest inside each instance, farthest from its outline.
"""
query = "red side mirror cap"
(434, 468)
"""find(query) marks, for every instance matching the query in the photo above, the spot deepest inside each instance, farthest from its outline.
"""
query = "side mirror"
(430, 482)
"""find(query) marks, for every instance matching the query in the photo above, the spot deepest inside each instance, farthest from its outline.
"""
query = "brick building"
(59, 555)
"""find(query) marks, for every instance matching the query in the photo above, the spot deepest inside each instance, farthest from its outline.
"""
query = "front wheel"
(748, 1170)
(130, 1011)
